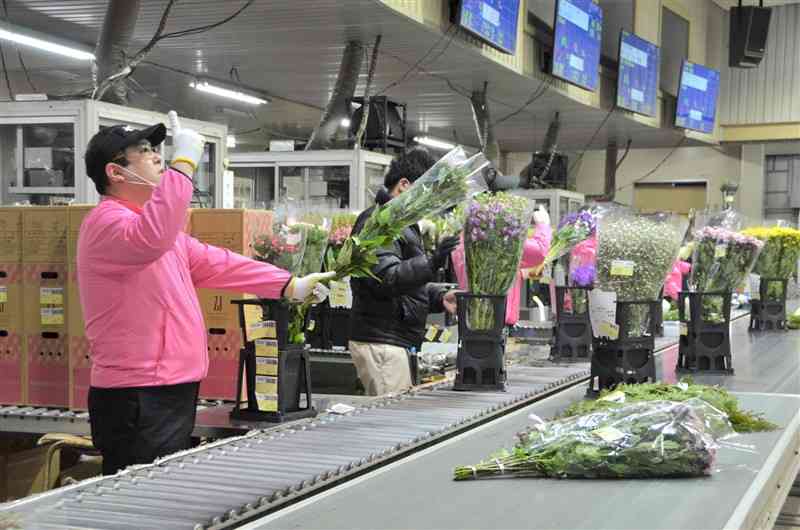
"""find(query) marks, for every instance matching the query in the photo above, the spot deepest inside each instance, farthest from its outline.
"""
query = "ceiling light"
(204, 86)
(345, 122)
(433, 142)
(230, 141)
(41, 41)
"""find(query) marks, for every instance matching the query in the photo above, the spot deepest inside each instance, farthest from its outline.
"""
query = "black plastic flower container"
(704, 346)
(770, 311)
(480, 364)
(315, 328)
(573, 331)
(293, 368)
(626, 359)
(337, 328)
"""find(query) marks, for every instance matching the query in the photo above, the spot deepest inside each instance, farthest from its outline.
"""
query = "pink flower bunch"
(724, 235)
(340, 235)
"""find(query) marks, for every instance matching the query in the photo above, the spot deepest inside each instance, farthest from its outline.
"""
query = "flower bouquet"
(582, 272)
(642, 440)
(316, 244)
(634, 254)
(572, 229)
(722, 260)
(778, 258)
(450, 181)
(494, 234)
(341, 227)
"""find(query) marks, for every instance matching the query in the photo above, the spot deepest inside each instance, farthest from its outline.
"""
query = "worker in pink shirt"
(533, 254)
(137, 273)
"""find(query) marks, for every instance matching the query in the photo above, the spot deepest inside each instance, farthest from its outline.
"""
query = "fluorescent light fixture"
(41, 41)
(433, 142)
(345, 122)
(230, 141)
(204, 86)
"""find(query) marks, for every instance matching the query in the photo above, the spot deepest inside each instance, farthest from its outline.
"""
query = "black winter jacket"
(394, 311)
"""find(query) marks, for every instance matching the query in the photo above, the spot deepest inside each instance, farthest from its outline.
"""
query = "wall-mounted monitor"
(637, 81)
(698, 92)
(577, 42)
(493, 21)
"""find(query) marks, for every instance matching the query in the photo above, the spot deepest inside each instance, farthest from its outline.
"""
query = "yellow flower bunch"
(781, 250)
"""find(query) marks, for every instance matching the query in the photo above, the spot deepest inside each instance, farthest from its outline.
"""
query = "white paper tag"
(620, 267)
(609, 434)
(602, 309)
(617, 396)
(755, 283)
(684, 328)
(721, 250)
(341, 295)
(683, 386)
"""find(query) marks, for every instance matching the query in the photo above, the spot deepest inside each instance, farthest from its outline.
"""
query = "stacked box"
(235, 230)
(44, 264)
(80, 366)
(13, 363)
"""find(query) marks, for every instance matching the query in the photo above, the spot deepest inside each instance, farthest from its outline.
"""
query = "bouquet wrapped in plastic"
(582, 272)
(494, 235)
(316, 245)
(572, 230)
(341, 227)
(778, 258)
(641, 440)
(286, 245)
(634, 254)
(450, 181)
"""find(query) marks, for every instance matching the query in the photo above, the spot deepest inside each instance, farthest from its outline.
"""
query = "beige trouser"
(382, 368)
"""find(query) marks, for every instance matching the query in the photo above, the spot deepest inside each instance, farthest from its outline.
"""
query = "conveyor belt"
(221, 484)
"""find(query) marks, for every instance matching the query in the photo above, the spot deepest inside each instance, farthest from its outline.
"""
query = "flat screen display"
(577, 42)
(697, 98)
(637, 80)
(494, 21)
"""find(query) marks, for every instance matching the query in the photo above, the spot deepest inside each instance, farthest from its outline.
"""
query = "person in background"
(138, 272)
(533, 254)
(389, 316)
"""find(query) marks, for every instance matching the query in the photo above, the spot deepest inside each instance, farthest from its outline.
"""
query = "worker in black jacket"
(389, 316)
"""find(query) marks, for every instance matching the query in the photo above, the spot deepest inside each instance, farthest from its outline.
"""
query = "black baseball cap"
(111, 141)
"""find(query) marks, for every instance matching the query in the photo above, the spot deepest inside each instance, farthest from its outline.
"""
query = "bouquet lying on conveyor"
(778, 258)
(450, 181)
(641, 440)
(634, 254)
(494, 235)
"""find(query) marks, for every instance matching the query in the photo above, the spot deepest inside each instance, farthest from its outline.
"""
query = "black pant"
(138, 425)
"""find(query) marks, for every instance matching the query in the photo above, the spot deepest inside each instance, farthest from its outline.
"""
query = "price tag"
(340, 295)
(266, 348)
(3, 294)
(267, 366)
(602, 309)
(755, 283)
(311, 324)
(433, 330)
(684, 328)
(621, 267)
(267, 402)
(720, 251)
(609, 434)
(445, 336)
(683, 386)
(51, 296)
(52, 316)
(262, 330)
(266, 384)
(610, 330)
(617, 396)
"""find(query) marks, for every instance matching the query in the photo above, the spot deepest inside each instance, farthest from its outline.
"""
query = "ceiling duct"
(330, 132)
(115, 36)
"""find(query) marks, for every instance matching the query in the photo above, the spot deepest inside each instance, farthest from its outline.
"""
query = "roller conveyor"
(222, 484)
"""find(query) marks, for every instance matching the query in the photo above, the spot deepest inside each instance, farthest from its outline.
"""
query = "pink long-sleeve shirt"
(137, 275)
(533, 254)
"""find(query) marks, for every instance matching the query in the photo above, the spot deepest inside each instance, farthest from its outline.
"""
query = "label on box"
(262, 330)
(610, 330)
(602, 309)
(684, 328)
(52, 316)
(267, 366)
(341, 295)
(617, 396)
(3, 294)
(267, 402)
(721, 250)
(51, 295)
(266, 348)
(266, 384)
(433, 330)
(609, 434)
(620, 267)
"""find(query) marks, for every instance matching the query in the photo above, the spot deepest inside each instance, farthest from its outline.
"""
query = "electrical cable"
(671, 152)
(589, 143)
(538, 93)
(450, 31)
(209, 27)
(624, 155)
(5, 73)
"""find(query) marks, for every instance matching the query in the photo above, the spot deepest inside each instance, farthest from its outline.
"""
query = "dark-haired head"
(405, 170)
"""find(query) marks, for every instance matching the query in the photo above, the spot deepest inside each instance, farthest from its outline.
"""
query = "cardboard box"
(80, 371)
(13, 365)
(223, 364)
(28, 471)
(235, 230)
(44, 234)
(11, 234)
(13, 369)
(48, 370)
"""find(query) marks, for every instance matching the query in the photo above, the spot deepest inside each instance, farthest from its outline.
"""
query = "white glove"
(541, 216)
(187, 144)
(309, 286)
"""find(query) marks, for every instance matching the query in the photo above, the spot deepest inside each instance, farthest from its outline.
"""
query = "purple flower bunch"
(583, 275)
(573, 229)
(492, 219)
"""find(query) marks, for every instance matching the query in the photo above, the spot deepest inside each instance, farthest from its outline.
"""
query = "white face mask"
(141, 180)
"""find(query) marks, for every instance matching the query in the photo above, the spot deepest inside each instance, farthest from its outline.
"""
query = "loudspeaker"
(749, 27)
